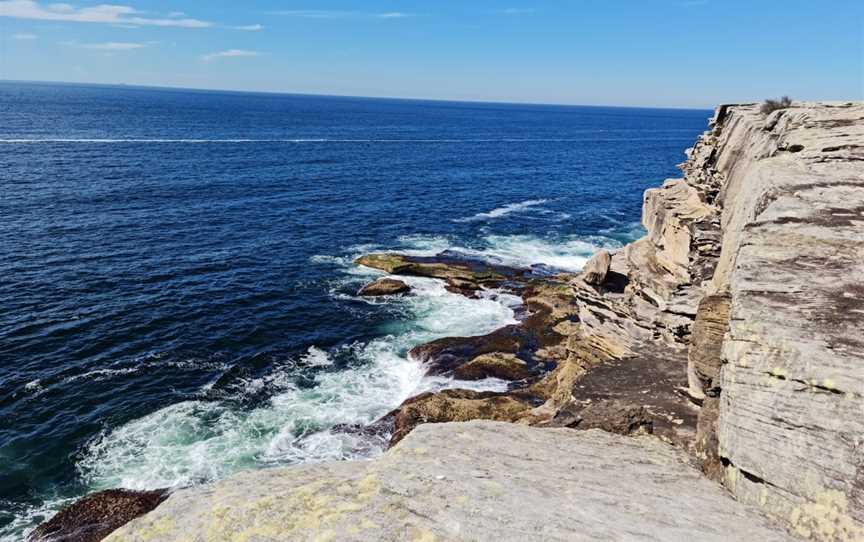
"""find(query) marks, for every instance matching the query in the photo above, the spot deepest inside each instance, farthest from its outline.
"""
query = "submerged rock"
(384, 286)
(92, 518)
(482, 481)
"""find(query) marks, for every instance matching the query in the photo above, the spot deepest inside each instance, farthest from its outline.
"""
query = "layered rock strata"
(790, 429)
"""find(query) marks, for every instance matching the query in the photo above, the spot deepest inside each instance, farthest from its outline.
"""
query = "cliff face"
(776, 350)
(733, 331)
(755, 261)
(790, 430)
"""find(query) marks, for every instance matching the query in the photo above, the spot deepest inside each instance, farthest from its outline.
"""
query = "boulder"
(480, 480)
(385, 286)
(597, 268)
(92, 518)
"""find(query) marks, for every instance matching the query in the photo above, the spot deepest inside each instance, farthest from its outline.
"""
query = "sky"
(666, 53)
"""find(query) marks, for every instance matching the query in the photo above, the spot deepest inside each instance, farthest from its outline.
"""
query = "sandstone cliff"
(755, 262)
(790, 427)
(733, 332)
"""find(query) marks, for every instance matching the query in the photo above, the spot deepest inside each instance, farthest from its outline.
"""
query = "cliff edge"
(476, 480)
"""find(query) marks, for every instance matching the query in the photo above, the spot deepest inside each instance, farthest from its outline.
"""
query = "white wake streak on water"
(311, 140)
(504, 210)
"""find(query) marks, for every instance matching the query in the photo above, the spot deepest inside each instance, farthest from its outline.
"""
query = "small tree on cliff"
(769, 106)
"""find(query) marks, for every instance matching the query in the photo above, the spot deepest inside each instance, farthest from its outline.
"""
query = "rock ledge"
(477, 480)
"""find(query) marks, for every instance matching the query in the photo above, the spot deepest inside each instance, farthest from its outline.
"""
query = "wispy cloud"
(340, 14)
(249, 27)
(24, 36)
(113, 46)
(314, 13)
(230, 53)
(516, 11)
(108, 46)
(103, 13)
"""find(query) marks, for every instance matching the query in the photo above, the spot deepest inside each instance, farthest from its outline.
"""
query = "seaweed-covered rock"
(460, 274)
(495, 365)
(445, 355)
(92, 518)
(453, 406)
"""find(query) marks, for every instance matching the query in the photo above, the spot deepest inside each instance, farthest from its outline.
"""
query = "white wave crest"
(569, 253)
(26, 518)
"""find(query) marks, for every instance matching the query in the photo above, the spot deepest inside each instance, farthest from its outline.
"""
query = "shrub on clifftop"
(769, 106)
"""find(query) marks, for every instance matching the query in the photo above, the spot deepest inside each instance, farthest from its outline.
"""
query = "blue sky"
(684, 53)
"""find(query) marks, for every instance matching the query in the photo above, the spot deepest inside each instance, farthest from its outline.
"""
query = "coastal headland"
(704, 382)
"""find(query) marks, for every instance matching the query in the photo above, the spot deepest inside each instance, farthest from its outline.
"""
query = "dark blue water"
(176, 292)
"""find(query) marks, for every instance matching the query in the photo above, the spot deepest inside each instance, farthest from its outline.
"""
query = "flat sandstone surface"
(477, 480)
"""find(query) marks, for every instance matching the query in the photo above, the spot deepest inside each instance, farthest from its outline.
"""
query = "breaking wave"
(564, 253)
(199, 440)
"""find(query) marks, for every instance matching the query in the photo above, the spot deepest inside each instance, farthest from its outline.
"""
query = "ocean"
(177, 294)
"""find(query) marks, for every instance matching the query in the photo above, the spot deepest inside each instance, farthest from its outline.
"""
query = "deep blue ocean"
(176, 288)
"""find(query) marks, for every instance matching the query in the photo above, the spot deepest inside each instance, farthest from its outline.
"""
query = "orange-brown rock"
(453, 406)
(385, 286)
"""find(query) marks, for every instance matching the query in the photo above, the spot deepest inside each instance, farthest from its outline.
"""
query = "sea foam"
(197, 441)
(202, 440)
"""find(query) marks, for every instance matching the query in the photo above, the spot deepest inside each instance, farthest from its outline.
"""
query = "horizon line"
(355, 96)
